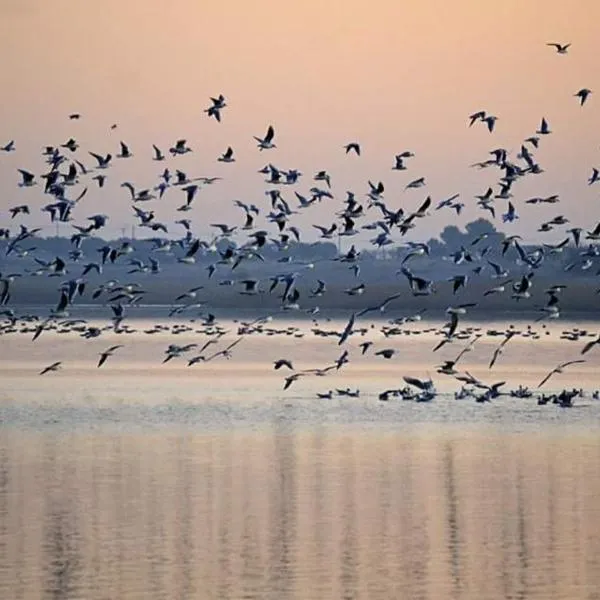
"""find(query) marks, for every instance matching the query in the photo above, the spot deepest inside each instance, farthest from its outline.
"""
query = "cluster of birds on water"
(69, 169)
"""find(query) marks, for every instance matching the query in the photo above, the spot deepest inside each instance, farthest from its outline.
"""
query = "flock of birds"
(69, 169)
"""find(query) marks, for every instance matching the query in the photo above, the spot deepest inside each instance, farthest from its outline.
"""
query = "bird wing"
(543, 381)
(497, 352)
(347, 330)
(589, 346)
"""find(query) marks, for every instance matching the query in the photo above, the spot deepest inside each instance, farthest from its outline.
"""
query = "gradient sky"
(391, 75)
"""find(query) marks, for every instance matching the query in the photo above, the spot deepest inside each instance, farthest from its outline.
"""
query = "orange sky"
(392, 75)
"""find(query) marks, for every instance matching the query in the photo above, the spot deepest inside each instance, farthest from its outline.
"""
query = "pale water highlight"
(144, 480)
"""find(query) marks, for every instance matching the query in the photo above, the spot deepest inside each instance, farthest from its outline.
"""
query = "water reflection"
(452, 508)
(299, 514)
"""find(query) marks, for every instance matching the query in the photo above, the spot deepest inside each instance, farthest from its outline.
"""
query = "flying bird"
(583, 94)
(559, 369)
(544, 127)
(266, 143)
(283, 362)
(353, 146)
(560, 48)
(590, 345)
(347, 330)
(215, 109)
(53, 367)
(108, 352)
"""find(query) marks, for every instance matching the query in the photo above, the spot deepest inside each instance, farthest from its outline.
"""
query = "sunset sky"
(391, 75)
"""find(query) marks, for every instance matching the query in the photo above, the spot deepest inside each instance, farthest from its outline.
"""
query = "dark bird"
(353, 146)
(347, 330)
(583, 94)
(590, 345)
(386, 353)
(365, 346)
(53, 367)
(560, 48)
(379, 307)
(283, 362)
(559, 369)
(108, 352)
(215, 109)
(544, 127)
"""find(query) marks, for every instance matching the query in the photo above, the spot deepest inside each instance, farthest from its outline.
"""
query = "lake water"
(144, 480)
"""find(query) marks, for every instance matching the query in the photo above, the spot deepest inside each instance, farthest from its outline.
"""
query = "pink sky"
(391, 75)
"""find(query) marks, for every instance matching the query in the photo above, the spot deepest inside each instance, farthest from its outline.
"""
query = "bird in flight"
(266, 143)
(583, 94)
(560, 48)
(53, 367)
(108, 352)
(352, 146)
(559, 369)
(215, 109)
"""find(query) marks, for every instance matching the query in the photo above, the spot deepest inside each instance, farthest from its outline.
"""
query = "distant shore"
(579, 298)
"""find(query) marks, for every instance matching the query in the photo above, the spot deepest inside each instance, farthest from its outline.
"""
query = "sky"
(390, 75)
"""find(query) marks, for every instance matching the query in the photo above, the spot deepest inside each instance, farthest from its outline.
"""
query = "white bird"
(267, 142)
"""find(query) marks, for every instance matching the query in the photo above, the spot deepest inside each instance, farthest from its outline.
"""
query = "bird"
(53, 367)
(266, 143)
(583, 94)
(379, 307)
(347, 330)
(560, 48)
(476, 116)
(291, 378)
(215, 109)
(27, 178)
(365, 346)
(125, 152)
(283, 362)
(590, 345)
(227, 156)
(158, 155)
(103, 161)
(386, 353)
(352, 146)
(559, 369)
(509, 335)
(416, 183)
(108, 352)
(544, 127)
(490, 121)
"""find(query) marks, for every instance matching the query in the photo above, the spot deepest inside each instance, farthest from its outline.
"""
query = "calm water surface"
(151, 482)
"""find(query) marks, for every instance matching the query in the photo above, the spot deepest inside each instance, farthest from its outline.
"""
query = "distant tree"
(436, 248)
(479, 227)
(452, 236)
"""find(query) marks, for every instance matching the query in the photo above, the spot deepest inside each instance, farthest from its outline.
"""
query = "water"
(142, 480)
